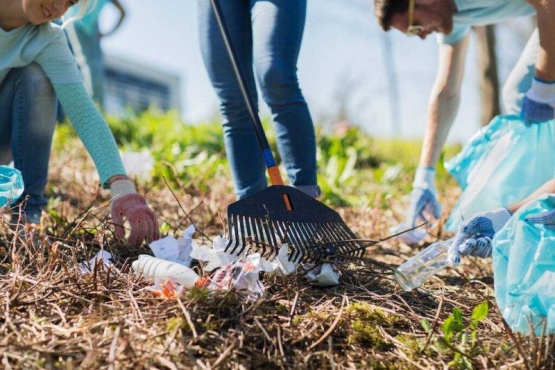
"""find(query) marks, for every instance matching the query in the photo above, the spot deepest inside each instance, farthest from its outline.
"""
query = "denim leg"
(26, 130)
(520, 78)
(277, 33)
(243, 150)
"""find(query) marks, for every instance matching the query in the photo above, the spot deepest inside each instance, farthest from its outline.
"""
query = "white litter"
(159, 269)
(323, 275)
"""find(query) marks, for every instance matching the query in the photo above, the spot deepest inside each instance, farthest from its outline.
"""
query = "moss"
(367, 335)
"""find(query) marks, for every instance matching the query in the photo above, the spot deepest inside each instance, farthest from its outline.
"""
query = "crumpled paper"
(175, 250)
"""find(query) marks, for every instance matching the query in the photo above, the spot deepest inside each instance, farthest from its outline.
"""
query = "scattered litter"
(323, 275)
(138, 164)
(216, 256)
(157, 268)
(101, 257)
(169, 267)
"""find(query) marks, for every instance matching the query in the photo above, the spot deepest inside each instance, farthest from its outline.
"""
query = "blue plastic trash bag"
(11, 185)
(524, 270)
(502, 165)
(461, 166)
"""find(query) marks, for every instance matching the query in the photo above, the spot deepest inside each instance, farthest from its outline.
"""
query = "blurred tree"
(489, 82)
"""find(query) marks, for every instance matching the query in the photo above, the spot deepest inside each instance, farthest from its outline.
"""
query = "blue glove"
(475, 235)
(539, 102)
(423, 206)
(546, 219)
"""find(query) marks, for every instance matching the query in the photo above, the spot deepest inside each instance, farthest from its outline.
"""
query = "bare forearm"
(444, 101)
(545, 64)
(548, 187)
(442, 111)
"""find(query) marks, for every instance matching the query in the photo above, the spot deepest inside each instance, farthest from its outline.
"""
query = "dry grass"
(51, 316)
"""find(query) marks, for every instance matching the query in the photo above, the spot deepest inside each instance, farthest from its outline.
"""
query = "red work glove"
(126, 203)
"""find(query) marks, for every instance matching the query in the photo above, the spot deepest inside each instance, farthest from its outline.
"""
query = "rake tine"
(305, 243)
(268, 238)
(273, 236)
(232, 240)
(295, 242)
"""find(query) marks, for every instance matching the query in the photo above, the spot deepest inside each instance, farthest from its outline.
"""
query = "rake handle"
(273, 169)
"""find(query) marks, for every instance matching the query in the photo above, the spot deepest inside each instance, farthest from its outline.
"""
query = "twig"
(332, 326)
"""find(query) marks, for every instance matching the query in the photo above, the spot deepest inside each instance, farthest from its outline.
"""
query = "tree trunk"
(489, 82)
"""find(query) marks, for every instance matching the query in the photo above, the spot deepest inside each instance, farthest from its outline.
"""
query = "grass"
(52, 316)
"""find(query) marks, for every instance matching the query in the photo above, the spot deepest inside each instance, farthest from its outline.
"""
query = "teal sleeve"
(92, 129)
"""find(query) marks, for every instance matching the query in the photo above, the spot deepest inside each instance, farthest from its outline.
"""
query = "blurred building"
(131, 84)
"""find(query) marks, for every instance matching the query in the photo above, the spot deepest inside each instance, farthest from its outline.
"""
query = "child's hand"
(128, 205)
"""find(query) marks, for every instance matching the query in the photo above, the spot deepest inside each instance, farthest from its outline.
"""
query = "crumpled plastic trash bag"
(502, 165)
(524, 270)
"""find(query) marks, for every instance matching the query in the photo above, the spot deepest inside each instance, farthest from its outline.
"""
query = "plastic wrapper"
(241, 275)
(501, 165)
(524, 271)
(323, 275)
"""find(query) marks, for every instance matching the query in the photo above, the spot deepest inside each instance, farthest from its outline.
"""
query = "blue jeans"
(267, 34)
(27, 121)
(520, 79)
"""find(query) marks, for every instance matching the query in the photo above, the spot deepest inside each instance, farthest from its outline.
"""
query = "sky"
(345, 59)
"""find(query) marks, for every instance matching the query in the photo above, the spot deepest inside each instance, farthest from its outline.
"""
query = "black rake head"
(262, 223)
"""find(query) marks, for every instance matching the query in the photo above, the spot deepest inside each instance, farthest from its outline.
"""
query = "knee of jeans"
(279, 84)
(36, 80)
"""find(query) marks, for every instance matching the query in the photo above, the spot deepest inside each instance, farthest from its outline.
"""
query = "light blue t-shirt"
(483, 12)
(45, 44)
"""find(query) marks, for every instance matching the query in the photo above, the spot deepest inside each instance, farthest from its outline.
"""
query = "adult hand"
(475, 235)
(128, 205)
(546, 219)
(539, 102)
(423, 198)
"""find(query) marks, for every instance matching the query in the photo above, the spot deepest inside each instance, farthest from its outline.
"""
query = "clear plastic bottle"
(414, 272)
(11, 185)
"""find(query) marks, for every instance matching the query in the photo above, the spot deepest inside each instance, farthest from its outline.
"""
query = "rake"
(281, 214)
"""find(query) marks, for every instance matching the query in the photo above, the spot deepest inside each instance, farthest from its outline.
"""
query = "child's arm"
(101, 145)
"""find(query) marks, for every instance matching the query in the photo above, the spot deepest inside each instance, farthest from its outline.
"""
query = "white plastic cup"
(414, 272)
